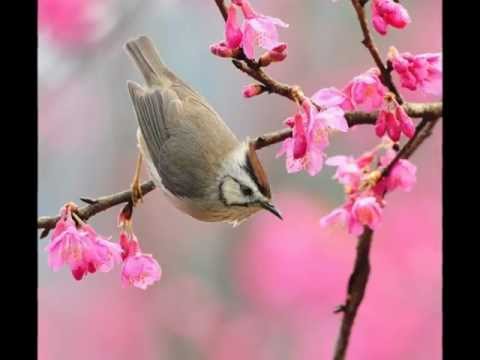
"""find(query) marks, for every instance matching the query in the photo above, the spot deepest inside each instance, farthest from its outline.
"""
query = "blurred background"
(266, 289)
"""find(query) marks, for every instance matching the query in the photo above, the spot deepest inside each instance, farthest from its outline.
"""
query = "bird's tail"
(148, 61)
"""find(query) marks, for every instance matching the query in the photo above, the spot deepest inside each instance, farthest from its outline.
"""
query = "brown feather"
(259, 174)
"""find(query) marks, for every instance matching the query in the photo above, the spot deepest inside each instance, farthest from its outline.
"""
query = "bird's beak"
(269, 206)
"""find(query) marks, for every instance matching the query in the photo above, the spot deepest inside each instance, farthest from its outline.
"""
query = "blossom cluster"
(324, 112)
(365, 187)
(77, 245)
(256, 30)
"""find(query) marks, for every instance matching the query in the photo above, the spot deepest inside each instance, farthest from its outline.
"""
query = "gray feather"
(148, 61)
(186, 139)
(186, 143)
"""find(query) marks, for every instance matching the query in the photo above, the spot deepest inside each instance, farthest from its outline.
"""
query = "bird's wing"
(185, 137)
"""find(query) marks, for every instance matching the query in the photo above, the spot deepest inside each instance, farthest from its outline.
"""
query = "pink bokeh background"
(266, 289)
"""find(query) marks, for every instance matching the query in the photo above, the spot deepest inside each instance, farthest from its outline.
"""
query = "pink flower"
(299, 137)
(80, 248)
(402, 176)
(233, 34)
(394, 123)
(358, 211)
(332, 97)
(366, 91)
(348, 171)
(334, 118)
(253, 90)
(140, 270)
(388, 12)
(344, 217)
(367, 211)
(258, 30)
(304, 150)
(104, 253)
(422, 71)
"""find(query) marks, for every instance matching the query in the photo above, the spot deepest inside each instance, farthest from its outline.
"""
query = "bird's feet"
(137, 195)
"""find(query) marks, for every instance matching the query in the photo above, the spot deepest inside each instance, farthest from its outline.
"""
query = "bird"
(190, 152)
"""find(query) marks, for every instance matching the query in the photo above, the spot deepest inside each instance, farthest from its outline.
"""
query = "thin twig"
(100, 204)
(222, 8)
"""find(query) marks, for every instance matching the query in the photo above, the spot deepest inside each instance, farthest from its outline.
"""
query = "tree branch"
(95, 206)
(386, 76)
(428, 111)
(223, 9)
(294, 92)
(361, 270)
(355, 292)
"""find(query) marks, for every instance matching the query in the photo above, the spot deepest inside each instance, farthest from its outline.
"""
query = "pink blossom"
(82, 249)
(253, 90)
(388, 12)
(402, 175)
(334, 118)
(348, 171)
(422, 71)
(343, 216)
(299, 137)
(367, 211)
(394, 123)
(366, 91)
(140, 270)
(357, 212)
(233, 34)
(258, 30)
(105, 253)
(304, 150)
(406, 123)
(365, 159)
(332, 97)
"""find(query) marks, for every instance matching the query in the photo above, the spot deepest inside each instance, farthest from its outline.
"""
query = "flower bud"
(277, 54)
(253, 90)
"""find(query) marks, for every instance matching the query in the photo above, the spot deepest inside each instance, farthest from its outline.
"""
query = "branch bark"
(94, 207)
(355, 292)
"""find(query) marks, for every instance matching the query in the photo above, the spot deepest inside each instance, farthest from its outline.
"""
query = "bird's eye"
(246, 191)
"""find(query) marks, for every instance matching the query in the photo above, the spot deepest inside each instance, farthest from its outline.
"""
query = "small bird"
(203, 169)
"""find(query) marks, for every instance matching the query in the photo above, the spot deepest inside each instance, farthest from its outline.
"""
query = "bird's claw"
(137, 195)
